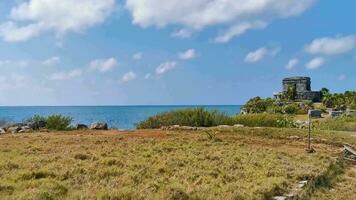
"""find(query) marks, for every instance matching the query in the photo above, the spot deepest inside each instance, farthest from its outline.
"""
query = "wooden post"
(309, 149)
(309, 132)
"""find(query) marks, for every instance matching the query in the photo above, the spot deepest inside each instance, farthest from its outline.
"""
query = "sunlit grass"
(87, 166)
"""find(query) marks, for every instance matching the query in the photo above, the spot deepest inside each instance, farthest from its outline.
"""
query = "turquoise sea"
(121, 117)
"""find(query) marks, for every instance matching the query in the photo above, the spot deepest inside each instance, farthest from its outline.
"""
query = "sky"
(172, 52)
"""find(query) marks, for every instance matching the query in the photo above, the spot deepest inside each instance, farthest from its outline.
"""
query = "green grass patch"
(264, 120)
(337, 124)
(197, 117)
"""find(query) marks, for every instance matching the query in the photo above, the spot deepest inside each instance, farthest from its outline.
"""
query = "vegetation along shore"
(188, 154)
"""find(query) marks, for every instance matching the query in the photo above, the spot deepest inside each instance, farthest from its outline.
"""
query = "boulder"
(25, 129)
(14, 129)
(80, 126)
(99, 126)
(2, 131)
(37, 125)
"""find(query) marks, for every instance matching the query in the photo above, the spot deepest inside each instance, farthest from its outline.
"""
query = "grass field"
(242, 163)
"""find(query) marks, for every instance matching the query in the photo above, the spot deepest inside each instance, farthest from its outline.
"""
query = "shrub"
(291, 109)
(258, 105)
(36, 119)
(58, 122)
(264, 120)
(197, 117)
(337, 124)
(53, 122)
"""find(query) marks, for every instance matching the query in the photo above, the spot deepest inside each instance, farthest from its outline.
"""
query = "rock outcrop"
(99, 126)
(80, 127)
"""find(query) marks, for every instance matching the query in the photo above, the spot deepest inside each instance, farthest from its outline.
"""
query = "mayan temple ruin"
(302, 86)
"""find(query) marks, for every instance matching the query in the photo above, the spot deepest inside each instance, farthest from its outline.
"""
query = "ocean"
(121, 117)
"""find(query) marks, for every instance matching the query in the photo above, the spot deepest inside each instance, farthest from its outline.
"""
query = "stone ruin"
(303, 89)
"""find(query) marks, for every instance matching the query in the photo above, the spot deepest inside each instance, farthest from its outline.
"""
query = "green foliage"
(291, 93)
(340, 101)
(337, 124)
(53, 122)
(197, 117)
(58, 122)
(324, 92)
(258, 105)
(264, 120)
(36, 119)
(291, 109)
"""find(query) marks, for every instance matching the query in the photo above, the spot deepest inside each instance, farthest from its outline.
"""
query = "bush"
(291, 109)
(264, 120)
(58, 122)
(258, 105)
(197, 117)
(52, 122)
(337, 124)
(36, 119)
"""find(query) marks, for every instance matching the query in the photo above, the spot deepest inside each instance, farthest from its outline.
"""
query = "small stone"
(294, 137)
(279, 198)
(239, 126)
(224, 126)
(302, 184)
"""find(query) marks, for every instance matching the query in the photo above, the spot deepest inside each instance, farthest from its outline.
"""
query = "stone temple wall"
(303, 88)
(310, 96)
(301, 84)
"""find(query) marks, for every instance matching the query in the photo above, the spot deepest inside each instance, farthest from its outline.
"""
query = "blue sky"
(143, 52)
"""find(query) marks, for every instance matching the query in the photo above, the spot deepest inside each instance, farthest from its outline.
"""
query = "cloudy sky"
(134, 52)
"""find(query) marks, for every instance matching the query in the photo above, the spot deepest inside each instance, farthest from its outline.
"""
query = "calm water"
(123, 117)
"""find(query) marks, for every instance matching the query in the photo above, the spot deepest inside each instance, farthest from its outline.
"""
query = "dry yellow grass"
(154, 164)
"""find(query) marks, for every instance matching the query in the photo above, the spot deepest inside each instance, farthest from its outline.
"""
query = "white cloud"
(34, 17)
(52, 61)
(165, 67)
(60, 76)
(137, 56)
(188, 54)
(238, 30)
(256, 56)
(341, 77)
(12, 63)
(148, 76)
(292, 63)
(199, 14)
(182, 33)
(103, 65)
(332, 46)
(315, 63)
(129, 76)
(261, 53)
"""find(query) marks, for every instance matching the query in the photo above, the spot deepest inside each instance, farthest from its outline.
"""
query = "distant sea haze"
(121, 117)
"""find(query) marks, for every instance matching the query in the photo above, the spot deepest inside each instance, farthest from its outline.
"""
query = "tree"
(291, 93)
(324, 92)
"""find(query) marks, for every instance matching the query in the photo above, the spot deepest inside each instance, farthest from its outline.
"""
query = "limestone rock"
(239, 126)
(37, 125)
(80, 127)
(14, 129)
(99, 126)
(25, 129)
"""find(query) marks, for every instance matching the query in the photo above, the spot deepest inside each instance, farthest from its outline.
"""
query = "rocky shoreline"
(40, 126)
